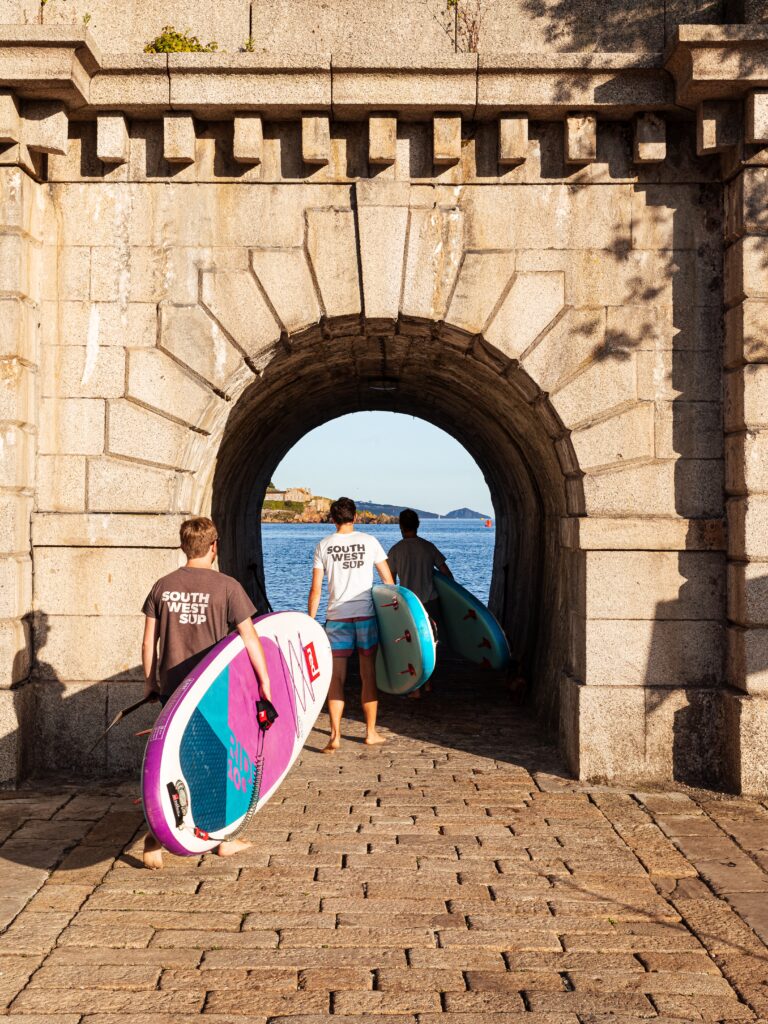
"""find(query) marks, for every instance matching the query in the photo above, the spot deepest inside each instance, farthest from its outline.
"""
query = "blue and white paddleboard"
(468, 627)
(406, 655)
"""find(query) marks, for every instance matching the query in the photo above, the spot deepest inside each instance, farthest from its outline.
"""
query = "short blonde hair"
(197, 535)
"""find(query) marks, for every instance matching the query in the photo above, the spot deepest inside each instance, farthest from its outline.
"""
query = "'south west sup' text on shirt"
(348, 560)
(195, 608)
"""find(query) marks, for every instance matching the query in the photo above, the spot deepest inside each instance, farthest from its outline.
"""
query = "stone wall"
(366, 27)
(537, 254)
(25, 218)
(597, 291)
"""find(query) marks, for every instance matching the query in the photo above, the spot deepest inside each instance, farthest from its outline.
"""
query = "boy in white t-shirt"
(347, 558)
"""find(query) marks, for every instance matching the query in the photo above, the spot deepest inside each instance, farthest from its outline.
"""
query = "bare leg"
(153, 853)
(229, 849)
(369, 698)
(336, 703)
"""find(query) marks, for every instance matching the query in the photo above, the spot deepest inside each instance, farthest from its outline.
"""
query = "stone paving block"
(709, 1008)
(250, 979)
(33, 933)
(609, 942)
(577, 1002)
(483, 1002)
(673, 962)
(99, 1000)
(117, 936)
(304, 958)
(464, 959)
(510, 1016)
(526, 940)
(271, 1004)
(48, 1018)
(85, 957)
(514, 981)
(735, 873)
(131, 978)
(194, 939)
(335, 979)
(61, 898)
(413, 979)
(345, 1003)
(678, 983)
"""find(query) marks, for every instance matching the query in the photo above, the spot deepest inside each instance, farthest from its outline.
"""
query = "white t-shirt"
(348, 560)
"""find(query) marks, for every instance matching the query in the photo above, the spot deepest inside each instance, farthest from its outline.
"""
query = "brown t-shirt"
(196, 608)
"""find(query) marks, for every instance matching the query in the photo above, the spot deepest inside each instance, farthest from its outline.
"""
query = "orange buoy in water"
(488, 522)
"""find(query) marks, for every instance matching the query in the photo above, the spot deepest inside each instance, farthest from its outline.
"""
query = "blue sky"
(386, 457)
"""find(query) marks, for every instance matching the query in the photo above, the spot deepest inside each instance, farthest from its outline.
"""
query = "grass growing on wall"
(172, 41)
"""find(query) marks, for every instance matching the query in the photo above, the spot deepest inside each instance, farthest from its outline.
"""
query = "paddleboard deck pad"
(469, 628)
(208, 766)
(406, 656)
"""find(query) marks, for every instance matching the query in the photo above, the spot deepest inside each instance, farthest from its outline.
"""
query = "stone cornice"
(64, 63)
(703, 62)
(717, 62)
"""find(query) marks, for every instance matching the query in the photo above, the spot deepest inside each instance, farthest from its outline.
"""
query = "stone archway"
(444, 375)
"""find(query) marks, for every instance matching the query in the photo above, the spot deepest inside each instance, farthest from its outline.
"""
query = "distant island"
(299, 505)
(394, 510)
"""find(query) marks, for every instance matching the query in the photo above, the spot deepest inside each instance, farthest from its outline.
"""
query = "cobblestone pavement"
(454, 875)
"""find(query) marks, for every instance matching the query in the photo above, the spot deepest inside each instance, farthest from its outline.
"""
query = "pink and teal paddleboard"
(208, 766)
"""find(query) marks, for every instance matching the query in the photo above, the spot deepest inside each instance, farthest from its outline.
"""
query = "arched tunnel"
(459, 384)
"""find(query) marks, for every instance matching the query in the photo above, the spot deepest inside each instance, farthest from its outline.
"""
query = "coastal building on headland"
(541, 226)
(295, 504)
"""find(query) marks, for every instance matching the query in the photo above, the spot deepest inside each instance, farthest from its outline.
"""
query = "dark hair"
(343, 510)
(196, 536)
(409, 520)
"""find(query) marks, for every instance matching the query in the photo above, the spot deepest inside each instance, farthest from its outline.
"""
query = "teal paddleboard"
(468, 627)
(406, 655)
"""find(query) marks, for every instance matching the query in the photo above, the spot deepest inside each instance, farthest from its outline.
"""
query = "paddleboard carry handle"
(266, 714)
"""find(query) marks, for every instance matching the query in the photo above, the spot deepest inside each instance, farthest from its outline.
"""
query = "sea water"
(288, 548)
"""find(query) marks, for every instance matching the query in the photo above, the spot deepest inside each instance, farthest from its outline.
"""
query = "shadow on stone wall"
(58, 721)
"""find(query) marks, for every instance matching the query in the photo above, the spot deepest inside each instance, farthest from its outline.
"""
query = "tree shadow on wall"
(615, 25)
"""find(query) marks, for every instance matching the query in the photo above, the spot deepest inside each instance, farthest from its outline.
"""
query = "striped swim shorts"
(347, 634)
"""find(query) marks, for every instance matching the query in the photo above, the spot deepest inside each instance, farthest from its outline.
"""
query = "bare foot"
(233, 846)
(332, 745)
(374, 738)
(153, 853)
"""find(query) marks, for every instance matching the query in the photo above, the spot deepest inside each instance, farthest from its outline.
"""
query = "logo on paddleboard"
(310, 657)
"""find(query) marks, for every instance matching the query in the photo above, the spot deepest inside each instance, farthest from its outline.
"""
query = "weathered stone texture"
(112, 139)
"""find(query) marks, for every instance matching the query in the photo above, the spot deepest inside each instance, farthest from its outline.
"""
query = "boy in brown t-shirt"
(186, 613)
